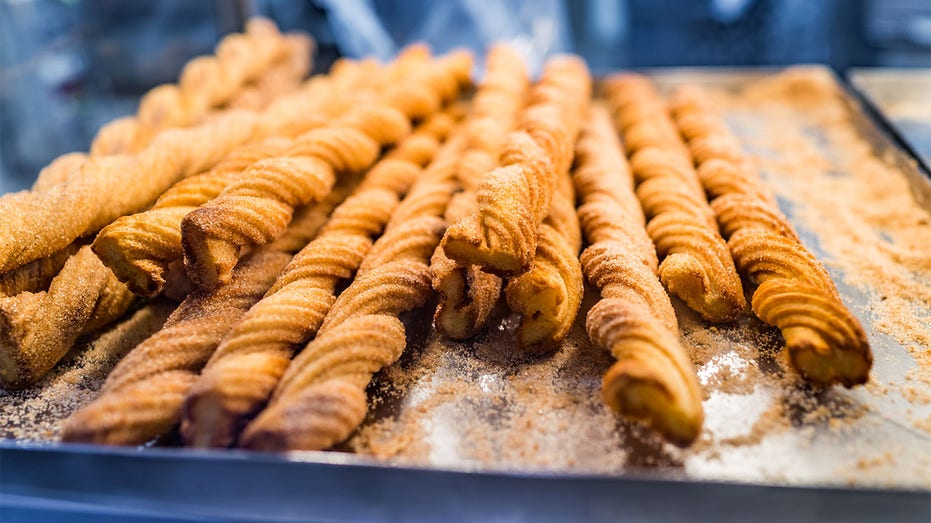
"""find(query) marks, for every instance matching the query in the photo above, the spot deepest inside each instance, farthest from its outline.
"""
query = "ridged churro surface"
(258, 207)
(653, 379)
(38, 328)
(795, 293)
(240, 376)
(695, 264)
(467, 293)
(142, 397)
(321, 397)
(514, 199)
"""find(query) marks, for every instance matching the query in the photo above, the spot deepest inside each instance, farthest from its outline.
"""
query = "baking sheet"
(493, 420)
(903, 97)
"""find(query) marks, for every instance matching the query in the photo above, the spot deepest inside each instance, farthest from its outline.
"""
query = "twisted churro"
(240, 376)
(825, 342)
(514, 199)
(257, 208)
(321, 398)
(36, 275)
(36, 224)
(653, 379)
(695, 263)
(78, 302)
(141, 398)
(38, 328)
(140, 247)
(548, 295)
(206, 82)
(59, 170)
(283, 76)
(468, 294)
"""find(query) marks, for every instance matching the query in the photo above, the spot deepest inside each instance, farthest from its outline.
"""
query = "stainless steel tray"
(902, 97)
(528, 440)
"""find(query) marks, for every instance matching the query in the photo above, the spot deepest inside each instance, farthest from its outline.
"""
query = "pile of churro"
(295, 221)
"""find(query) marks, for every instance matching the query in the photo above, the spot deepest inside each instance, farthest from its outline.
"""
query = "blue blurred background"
(67, 67)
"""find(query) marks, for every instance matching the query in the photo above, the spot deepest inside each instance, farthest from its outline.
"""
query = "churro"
(240, 376)
(653, 379)
(468, 294)
(514, 199)
(38, 223)
(795, 293)
(139, 248)
(142, 396)
(321, 397)
(38, 328)
(695, 264)
(548, 295)
(257, 208)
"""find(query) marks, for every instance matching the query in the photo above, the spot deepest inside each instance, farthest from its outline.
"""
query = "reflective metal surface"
(472, 432)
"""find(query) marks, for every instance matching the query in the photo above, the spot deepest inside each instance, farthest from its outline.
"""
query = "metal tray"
(902, 99)
(465, 455)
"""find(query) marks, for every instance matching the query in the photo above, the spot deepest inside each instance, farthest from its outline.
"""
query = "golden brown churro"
(695, 263)
(206, 82)
(38, 328)
(37, 275)
(468, 294)
(321, 398)
(653, 379)
(257, 208)
(514, 199)
(36, 224)
(139, 248)
(142, 397)
(283, 76)
(548, 295)
(240, 376)
(59, 170)
(825, 342)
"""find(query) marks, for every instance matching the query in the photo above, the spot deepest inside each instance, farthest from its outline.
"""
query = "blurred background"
(69, 66)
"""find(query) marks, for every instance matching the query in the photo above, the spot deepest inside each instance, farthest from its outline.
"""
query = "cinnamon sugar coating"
(795, 293)
(653, 379)
(257, 208)
(695, 264)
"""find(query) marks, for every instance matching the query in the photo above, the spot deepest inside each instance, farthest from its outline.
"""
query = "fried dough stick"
(59, 170)
(140, 247)
(467, 293)
(653, 379)
(206, 83)
(241, 375)
(548, 295)
(514, 199)
(695, 264)
(141, 398)
(36, 224)
(37, 275)
(257, 208)
(825, 342)
(283, 76)
(321, 398)
(38, 328)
